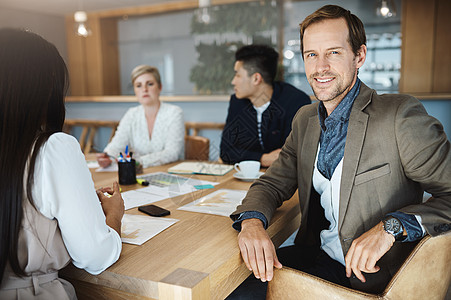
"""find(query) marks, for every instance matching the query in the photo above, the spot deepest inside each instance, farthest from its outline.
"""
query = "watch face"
(392, 225)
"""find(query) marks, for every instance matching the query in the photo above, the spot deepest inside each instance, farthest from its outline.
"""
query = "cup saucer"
(240, 176)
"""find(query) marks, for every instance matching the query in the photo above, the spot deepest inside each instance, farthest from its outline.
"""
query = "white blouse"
(168, 136)
(63, 190)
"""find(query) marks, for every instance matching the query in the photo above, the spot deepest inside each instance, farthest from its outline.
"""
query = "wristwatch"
(393, 226)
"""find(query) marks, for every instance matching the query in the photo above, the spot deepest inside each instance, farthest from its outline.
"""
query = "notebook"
(200, 168)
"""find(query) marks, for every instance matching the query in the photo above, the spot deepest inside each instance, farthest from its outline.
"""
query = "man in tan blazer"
(360, 161)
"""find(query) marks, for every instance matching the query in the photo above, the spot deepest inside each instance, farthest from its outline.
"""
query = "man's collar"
(343, 109)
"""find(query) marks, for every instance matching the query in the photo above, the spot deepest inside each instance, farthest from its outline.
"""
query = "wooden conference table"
(196, 258)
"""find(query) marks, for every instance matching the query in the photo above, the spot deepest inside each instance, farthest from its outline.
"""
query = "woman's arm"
(67, 194)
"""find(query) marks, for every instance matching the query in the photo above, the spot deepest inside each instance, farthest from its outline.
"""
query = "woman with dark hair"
(50, 213)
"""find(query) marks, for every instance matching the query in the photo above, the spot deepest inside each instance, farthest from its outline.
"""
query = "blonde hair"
(143, 69)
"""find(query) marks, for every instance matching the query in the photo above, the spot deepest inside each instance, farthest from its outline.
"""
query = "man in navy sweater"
(261, 110)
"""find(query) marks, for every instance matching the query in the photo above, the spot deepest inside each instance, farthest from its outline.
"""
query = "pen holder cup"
(127, 172)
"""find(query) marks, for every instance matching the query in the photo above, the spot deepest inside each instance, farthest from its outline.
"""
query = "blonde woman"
(153, 131)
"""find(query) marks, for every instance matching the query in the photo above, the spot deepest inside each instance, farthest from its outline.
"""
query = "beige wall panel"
(110, 57)
(94, 57)
(417, 46)
(76, 62)
(442, 51)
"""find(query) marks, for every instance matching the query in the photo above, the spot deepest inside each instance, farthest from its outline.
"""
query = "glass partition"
(381, 70)
(194, 49)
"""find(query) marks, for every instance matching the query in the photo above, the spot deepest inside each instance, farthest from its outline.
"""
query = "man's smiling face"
(330, 64)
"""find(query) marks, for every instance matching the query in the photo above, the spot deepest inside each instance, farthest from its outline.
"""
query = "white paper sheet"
(138, 229)
(92, 164)
(139, 197)
(222, 202)
(111, 168)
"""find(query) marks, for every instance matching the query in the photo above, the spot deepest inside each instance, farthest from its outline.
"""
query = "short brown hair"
(356, 36)
(143, 69)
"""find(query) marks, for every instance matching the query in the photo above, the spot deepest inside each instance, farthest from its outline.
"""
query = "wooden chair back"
(426, 274)
(195, 127)
(89, 131)
(197, 147)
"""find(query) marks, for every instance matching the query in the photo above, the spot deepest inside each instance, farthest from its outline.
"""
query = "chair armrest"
(293, 284)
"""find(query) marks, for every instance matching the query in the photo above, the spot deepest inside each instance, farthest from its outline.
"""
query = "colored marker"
(142, 182)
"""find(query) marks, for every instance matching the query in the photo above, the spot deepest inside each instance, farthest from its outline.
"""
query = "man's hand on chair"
(366, 250)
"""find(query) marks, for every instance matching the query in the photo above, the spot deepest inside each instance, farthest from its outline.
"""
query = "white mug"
(248, 168)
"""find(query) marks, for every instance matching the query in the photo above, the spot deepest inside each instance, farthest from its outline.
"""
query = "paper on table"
(222, 202)
(111, 168)
(162, 186)
(200, 168)
(137, 229)
(92, 164)
(139, 197)
(169, 185)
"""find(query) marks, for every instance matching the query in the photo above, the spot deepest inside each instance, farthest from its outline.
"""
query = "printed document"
(222, 202)
(138, 229)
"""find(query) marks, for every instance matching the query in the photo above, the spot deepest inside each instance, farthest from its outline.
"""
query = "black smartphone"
(154, 210)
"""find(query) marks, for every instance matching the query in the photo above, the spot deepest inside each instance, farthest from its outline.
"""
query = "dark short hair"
(356, 36)
(260, 59)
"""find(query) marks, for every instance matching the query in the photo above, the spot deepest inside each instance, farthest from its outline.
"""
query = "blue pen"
(126, 150)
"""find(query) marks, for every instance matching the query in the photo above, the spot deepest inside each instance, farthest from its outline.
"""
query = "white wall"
(50, 27)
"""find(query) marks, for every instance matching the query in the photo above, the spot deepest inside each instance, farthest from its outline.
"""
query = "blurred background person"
(261, 110)
(153, 131)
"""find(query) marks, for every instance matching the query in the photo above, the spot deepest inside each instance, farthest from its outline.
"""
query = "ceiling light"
(80, 17)
(204, 3)
(203, 13)
(386, 9)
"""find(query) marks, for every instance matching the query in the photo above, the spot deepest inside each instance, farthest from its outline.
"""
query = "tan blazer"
(394, 151)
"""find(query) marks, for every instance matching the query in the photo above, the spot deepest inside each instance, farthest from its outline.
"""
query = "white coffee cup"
(248, 168)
